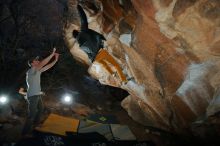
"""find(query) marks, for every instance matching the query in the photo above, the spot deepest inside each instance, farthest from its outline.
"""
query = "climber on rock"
(92, 43)
(89, 40)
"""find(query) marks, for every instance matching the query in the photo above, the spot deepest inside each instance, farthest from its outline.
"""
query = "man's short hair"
(75, 33)
(32, 59)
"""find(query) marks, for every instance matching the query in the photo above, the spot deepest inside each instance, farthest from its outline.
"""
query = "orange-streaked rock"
(171, 50)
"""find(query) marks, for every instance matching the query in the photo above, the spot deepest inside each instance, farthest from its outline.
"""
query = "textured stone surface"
(170, 48)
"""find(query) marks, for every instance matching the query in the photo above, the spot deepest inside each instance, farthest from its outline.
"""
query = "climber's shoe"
(130, 78)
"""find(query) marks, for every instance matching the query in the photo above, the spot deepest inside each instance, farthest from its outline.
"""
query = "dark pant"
(35, 109)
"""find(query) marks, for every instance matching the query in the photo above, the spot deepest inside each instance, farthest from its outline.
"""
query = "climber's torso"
(91, 42)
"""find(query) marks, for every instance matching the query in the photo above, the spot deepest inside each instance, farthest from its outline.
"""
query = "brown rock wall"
(170, 48)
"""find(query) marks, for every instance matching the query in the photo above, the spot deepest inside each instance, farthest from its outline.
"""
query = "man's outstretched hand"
(56, 56)
(54, 51)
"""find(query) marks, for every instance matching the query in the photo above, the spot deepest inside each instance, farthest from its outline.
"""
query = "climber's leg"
(112, 61)
(100, 58)
(103, 56)
(105, 65)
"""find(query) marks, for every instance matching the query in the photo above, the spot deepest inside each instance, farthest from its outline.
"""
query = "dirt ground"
(13, 117)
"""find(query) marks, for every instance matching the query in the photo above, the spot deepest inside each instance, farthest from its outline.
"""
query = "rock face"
(169, 48)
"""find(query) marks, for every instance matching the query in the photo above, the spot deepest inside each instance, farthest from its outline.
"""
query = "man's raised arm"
(46, 60)
(48, 66)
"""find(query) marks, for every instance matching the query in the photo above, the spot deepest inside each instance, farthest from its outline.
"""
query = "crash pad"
(57, 124)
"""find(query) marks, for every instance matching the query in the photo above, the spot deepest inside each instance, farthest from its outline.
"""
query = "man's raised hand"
(56, 56)
(54, 50)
